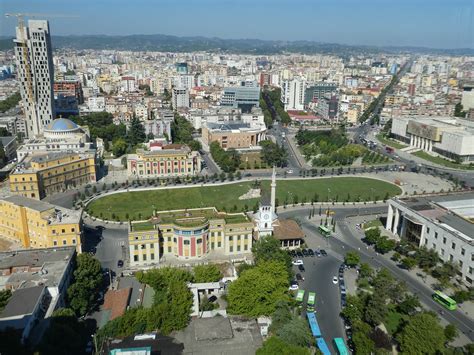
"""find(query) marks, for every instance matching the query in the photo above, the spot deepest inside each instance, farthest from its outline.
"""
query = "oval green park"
(139, 205)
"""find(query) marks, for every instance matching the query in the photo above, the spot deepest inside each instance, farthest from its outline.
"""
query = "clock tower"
(266, 217)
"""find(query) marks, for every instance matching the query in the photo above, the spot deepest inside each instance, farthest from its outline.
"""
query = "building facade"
(293, 93)
(34, 60)
(37, 224)
(451, 138)
(44, 174)
(180, 97)
(246, 96)
(168, 161)
(441, 223)
(189, 234)
(237, 135)
(316, 92)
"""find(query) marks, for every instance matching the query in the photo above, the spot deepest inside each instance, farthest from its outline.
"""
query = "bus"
(299, 298)
(311, 301)
(313, 324)
(444, 300)
(324, 231)
(323, 347)
(340, 346)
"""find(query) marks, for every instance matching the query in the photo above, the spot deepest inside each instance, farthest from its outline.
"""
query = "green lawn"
(390, 142)
(374, 223)
(441, 161)
(140, 204)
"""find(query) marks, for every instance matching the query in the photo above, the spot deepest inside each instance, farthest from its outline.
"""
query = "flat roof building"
(442, 223)
(236, 134)
(246, 96)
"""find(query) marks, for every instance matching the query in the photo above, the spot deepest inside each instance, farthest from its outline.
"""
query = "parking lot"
(316, 273)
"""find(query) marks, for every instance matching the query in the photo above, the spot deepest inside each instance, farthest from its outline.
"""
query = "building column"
(389, 218)
(430, 146)
(412, 140)
(397, 220)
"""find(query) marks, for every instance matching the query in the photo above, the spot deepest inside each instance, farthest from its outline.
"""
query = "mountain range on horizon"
(170, 43)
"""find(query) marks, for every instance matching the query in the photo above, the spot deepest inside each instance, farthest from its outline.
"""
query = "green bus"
(324, 231)
(299, 298)
(444, 300)
(311, 301)
(340, 346)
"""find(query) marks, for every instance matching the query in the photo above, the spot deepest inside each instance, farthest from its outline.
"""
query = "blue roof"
(61, 124)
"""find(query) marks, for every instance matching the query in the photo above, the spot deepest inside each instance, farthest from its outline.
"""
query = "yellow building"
(43, 174)
(189, 234)
(37, 224)
(167, 161)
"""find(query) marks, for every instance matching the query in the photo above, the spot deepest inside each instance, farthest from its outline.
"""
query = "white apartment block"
(34, 56)
(442, 223)
(180, 98)
(292, 93)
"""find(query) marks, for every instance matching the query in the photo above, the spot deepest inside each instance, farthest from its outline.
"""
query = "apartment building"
(37, 224)
(189, 234)
(40, 175)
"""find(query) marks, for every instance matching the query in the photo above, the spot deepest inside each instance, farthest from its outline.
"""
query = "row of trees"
(182, 132)
(172, 302)
(272, 154)
(10, 102)
(228, 161)
(274, 97)
(384, 300)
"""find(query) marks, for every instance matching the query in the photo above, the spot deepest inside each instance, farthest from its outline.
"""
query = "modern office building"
(182, 68)
(237, 135)
(246, 96)
(70, 87)
(189, 234)
(317, 91)
(40, 175)
(293, 94)
(449, 137)
(180, 98)
(442, 223)
(328, 107)
(35, 72)
(163, 161)
(37, 224)
(467, 100)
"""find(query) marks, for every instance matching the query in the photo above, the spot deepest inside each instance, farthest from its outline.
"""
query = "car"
(289, 171)
(311, 252)
(213, 298)
(297, 262)
(299, 277)
(299, 254)
(301, 268)
(305, 252)
(335, 280)
(120, 263)
(343, 289)
(317, 252)
(293, 253)
(323, 252)
(293, 286)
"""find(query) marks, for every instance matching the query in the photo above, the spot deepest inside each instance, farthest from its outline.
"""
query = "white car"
(297, 262)
(294, 286)
(289, 171)
(335, 280)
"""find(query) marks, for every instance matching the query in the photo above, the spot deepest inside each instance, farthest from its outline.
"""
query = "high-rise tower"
(34, 60)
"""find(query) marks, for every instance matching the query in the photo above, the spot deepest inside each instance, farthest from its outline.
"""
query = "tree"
(372, 236)
(422, 335)
(365, 270)
(275, 345)
(354, 308)
(384, 245)
(257, 290)
(458, 110)
(352, 259)
(281, 316)
(87, 280)
(381, 339)
(409, 262)
(273, 154)
(136, 132)
(268, 249)
(362, 343)
(376, 310)
(207, 273)
(4, 298)
(450, 332)
(295, 332)
(119, 147)
(409, 305)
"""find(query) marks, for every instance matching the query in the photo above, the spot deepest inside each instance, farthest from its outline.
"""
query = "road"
(348, 240)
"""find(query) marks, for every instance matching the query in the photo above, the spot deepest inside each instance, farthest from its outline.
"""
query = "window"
(142, 246)
(231, 248)
(453, 246)
(63, 231)
(212, 245)
(54, 231)
(245, 247)
(463, 251)
(186, 242)
(135, 258)
(428, 230)
(199, 241)
(64, 242)
(73, 230)
(169, 249)
(436, 235)
(460, 264)
(470, 269)
(219, 244)
(238, 247)
(451, 257)
(74, 241)
(231, 238)
(152, 256)
(144, 257)
(444, 240)
(434, 246)
(55, 242)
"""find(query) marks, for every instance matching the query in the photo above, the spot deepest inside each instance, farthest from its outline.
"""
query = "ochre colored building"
(44, 174)
(37, 224)
(189, 234)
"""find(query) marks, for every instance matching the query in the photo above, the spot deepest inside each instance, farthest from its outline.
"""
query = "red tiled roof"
(117, 301)
(288, 229)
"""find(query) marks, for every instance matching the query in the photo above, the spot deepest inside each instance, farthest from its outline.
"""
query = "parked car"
(301, 268)
(311, 252)
(293, 286)
(213, 298)
(316, 251)
(299, 277)
(299, 254)
(335, 280)
(323, 252)
(305, 252)
(297, 262)
(293, 253)
(120, 263)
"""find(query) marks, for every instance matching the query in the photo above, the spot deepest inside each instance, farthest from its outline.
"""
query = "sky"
(427, 23)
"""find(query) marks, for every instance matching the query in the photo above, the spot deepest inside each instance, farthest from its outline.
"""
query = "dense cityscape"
(270, 198)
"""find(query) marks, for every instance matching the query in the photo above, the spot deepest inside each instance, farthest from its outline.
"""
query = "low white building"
(442, 223)
(449, 137)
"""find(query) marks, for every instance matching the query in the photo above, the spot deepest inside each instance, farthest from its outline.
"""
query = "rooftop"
(61, 124)
(22, 302)
(288, 229)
